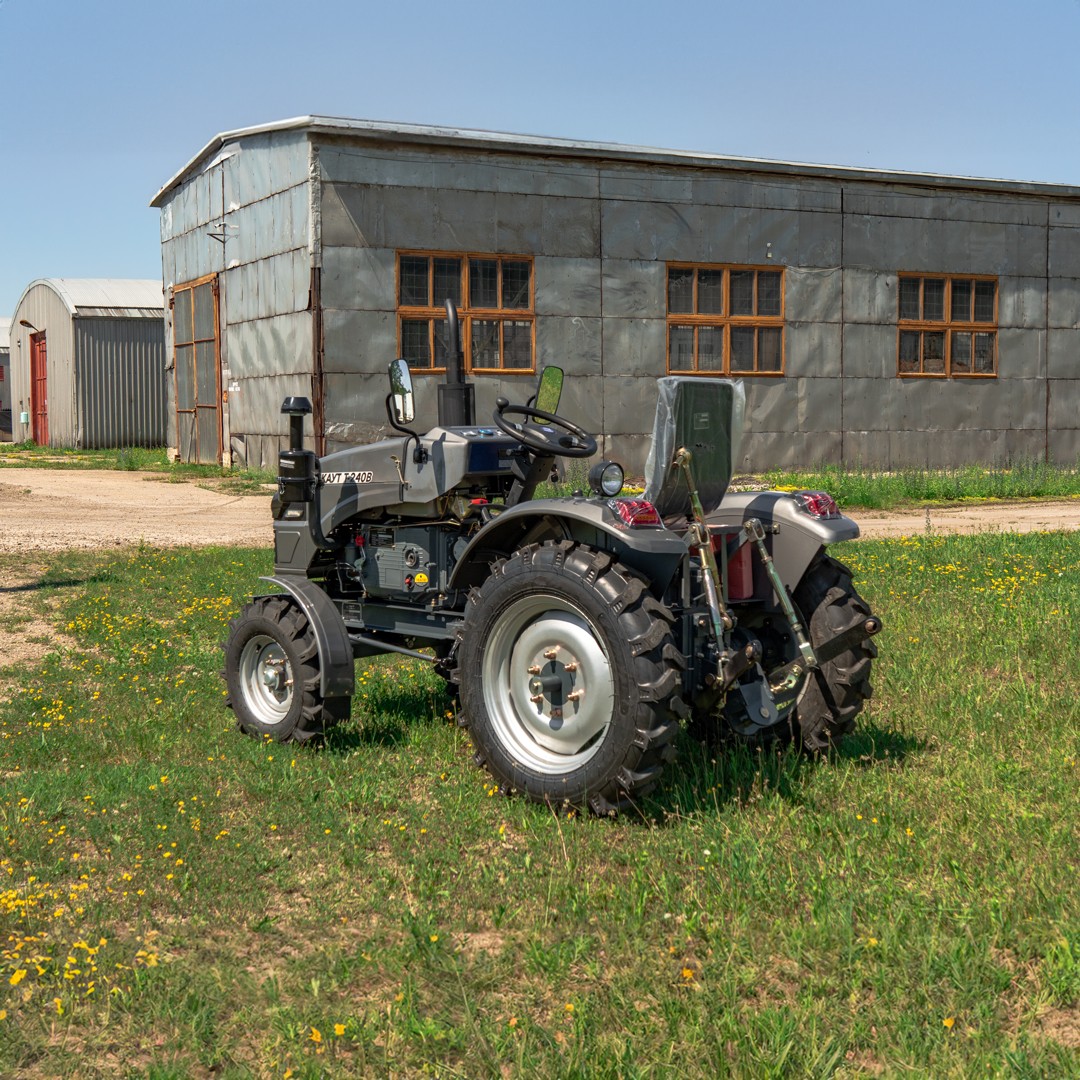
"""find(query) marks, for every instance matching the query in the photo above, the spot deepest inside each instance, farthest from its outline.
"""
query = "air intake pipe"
(457, 404)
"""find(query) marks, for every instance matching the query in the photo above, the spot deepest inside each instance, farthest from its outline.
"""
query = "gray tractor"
(579, 633)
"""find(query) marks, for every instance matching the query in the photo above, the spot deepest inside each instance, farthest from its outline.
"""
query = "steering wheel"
(568, 440)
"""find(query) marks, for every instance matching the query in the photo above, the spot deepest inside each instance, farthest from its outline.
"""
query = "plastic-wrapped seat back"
(706, 417)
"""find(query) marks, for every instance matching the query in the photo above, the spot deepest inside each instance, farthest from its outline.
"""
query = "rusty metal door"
(198, 371)
(39, 396)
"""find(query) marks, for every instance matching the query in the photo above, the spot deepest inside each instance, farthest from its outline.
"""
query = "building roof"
(127, 298)
(465, 138)
(5, 334)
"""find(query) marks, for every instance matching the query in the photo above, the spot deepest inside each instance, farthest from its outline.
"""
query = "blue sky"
(104, 100)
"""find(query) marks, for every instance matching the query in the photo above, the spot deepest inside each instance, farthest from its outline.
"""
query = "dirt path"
(60, 509)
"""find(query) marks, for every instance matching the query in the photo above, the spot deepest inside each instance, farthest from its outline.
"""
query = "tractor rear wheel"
(272, 673)
(570, 678)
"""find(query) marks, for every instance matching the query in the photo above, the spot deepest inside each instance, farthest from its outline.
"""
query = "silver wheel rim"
(547, 685)
(266, 678)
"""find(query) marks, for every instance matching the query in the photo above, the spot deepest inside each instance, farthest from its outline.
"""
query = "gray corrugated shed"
(128, 298)
(5, 335)
(465, 138)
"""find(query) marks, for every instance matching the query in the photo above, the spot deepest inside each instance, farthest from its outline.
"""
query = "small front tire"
(272, 674)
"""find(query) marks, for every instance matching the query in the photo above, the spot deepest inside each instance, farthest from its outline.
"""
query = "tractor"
(579, 633)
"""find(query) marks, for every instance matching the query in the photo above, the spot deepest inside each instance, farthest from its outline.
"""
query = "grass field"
(179, 901)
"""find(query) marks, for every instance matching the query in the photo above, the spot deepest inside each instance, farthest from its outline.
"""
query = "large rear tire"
(820, 710)
(569, 678)
(835, 694)
(273, 676)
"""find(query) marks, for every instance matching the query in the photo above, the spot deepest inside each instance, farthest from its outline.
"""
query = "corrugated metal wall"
(120, 382)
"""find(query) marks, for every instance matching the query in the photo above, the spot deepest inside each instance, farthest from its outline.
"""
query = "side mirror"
(549, 389)
(401, 392)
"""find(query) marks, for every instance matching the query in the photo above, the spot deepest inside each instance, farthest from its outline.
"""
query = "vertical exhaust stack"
(456, 396)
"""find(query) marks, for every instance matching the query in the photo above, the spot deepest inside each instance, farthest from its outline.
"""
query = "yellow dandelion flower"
(316, 1035)
(339, 1029)
(949, 1021)
(17, 977)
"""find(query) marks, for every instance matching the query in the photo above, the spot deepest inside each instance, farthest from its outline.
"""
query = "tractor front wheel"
(570, 678)
(272, 673)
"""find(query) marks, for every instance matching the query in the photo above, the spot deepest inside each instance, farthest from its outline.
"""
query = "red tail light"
(636, 513)
(819, 504)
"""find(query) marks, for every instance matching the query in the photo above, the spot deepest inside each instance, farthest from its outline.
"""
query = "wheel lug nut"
(534, 670)
(572, 666)
(575, 695)
(551, 653)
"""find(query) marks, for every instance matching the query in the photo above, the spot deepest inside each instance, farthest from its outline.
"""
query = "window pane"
(768, 293)
(204, 312)
(185, 376)
(483, 283)
(710, 292)
(909, 298)
(961, 353)
(710, 348)
(485, 343)
(413, 281)
(742, 293)
(517, 344)
(680, 291)
(681, 348)
(961, 301)
(515, 285)
(742, 348)
(934, 298)
(447, 284)
(770, 349)
(206, 373)
(182, 331)
(439, 334)
(934, 354)
(909, 351)
(985, 294)
(415, 344)
(984, 353)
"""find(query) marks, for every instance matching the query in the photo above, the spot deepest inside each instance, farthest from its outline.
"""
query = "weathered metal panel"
(1063, 362)
(360, 278)
(635, 347)
(814, 295)
(931, 205)
(1064, 446)
(813, 350)
(758, 193)
(629, 404)
(574, 343)
(634, 288)
(1022, 302)
(120, 378)
(870, 353)
(264, 346)
(1065, 252)
(645, 185)
(570, 287)
(359, 342)
(1064, 307)
(1021, 355)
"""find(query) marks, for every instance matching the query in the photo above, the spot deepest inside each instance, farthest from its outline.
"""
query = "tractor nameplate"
(365, 476)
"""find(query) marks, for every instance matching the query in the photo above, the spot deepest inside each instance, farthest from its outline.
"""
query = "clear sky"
(104, 100)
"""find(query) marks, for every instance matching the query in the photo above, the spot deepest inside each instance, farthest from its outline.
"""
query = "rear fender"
(796, 537)
(335, 650)
(654, 552)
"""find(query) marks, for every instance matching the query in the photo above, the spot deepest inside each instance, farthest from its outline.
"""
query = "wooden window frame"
(948, 326)
(435, 313)
(726, 322)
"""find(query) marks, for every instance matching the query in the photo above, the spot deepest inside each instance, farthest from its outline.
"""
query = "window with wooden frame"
(725, 320)
(494, 299)
(947, 326)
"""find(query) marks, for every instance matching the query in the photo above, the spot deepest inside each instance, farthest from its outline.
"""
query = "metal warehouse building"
(88, 363)
(5, 379)
(882, 318)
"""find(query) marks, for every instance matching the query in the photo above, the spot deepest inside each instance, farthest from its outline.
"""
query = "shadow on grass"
(57, 583)
(705, 778)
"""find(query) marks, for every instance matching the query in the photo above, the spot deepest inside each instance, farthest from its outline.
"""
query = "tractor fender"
(796, 536)
(655, 552)
(331, 637)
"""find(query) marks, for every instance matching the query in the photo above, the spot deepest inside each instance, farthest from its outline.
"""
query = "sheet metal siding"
(121, 382)
(601, 231)
(43, 308)
(254, 197)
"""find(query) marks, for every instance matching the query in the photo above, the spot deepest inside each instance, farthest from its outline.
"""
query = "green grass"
(177, 900)
(874, 489)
